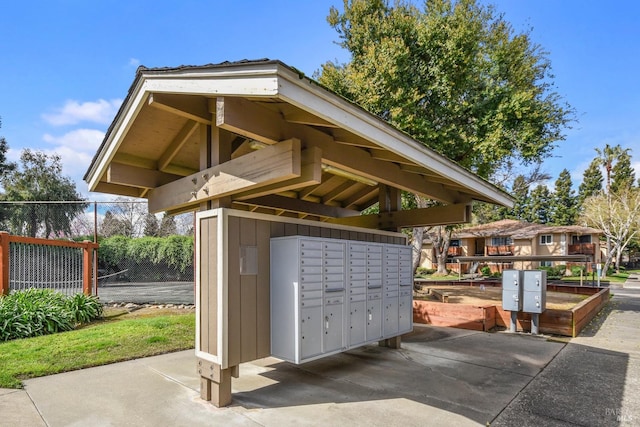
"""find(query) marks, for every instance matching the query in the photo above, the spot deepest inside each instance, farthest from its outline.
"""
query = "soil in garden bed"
(474, 295)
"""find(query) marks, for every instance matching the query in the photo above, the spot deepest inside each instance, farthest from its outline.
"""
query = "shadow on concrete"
(472, 374)
(582, 386)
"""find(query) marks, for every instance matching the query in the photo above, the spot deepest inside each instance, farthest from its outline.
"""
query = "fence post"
(4, 263)
(87, 267)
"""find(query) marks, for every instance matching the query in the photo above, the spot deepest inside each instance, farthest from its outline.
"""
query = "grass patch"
(120, 336)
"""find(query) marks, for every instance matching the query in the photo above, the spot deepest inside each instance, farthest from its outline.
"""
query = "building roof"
(521, 230)
(155, 137)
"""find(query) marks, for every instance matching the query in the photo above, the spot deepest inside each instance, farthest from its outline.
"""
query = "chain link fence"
(135, 246)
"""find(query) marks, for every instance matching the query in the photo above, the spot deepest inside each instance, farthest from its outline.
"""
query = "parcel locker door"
(357, 325)
(405, 313)
(310, 331)
(390, 317)
(333, 324)
(374, 319)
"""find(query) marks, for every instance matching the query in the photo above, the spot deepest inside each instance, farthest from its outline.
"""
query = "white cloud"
(73, 112)
(79, 139)
(134, 62)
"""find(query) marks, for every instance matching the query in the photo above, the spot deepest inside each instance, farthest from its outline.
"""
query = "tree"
(39, 179)
(151, 227)
(618, 216)
(564, 208)
(454, 76)
(591, 181)
(538, 210)
(167, 226)
(622, 174)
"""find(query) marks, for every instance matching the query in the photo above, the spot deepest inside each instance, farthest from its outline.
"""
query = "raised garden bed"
(569, 308)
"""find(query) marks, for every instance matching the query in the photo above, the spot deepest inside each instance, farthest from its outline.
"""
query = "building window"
(501, 241)
(546, 264)
(546, 239)
(575, 240)
(455, 243)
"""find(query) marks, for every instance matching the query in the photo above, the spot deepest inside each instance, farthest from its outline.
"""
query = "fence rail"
(28, 262)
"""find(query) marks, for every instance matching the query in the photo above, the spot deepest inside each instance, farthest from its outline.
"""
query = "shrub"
(423, 271)
(36, 312)
(486, 271)
(577, 270)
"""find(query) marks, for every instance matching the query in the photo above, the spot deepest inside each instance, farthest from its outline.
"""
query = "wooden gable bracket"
(425, 217)
(277, 163)
(253, 121)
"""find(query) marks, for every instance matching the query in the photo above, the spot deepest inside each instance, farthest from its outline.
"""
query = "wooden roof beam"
(263, 167)
(253, 121)
(188, 106)
(301, 206)
(425, 217)
(137, 177)
(177, 143)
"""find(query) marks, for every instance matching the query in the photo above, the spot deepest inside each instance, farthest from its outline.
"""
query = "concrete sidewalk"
(441, 376)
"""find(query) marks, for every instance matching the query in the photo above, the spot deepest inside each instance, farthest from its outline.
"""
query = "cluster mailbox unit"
(524, 291)
(330, 295)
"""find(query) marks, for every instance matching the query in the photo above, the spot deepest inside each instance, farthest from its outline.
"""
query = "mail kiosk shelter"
(262, 152)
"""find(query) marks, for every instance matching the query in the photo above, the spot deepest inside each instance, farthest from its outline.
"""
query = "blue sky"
(65, 66)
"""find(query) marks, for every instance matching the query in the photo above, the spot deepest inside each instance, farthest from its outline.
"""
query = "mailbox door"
(333, 324)
(374, 318)
(357, 325)
(391, 316)
(311, 331)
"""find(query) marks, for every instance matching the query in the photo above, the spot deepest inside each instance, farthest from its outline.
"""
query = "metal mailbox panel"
(405, 313)
(313, 286)
(310, 331)
(333, 325)
(511, 300)
(310, 244)
(358, 269)
(535, 280)
(374, 319)
(535, 291)
(310, 269)
(311, 253)
(391, 317)
(305, 295)
(357, 322)
(511, 280)
(357, 297)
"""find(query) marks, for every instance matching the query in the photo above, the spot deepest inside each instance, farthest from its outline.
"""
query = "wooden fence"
(41, 260)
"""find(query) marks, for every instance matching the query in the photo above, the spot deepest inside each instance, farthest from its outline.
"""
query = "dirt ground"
(493, 296)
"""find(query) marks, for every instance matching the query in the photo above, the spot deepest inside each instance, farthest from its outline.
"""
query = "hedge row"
(173, 251)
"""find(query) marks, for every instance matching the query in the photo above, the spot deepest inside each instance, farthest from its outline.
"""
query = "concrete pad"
(134, 393)
(17, 409)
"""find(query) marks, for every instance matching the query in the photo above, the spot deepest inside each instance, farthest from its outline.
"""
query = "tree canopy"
(454, 75)
(38, 178)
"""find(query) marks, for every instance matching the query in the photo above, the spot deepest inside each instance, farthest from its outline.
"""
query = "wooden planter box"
(558, 322)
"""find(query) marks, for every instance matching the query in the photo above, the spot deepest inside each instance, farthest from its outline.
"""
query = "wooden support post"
(4, 263)
(87, 267)
(215, 383)
(215, 148)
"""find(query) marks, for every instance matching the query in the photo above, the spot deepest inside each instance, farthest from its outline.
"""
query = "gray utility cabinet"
(330, 295)
(512, 290)
(534, 291)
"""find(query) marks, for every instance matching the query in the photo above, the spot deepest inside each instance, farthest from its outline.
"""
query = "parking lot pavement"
(147, 292)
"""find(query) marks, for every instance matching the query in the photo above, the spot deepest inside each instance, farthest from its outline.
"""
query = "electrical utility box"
(512, 289)
(535, 291)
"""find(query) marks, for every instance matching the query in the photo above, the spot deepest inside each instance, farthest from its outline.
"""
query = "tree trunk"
(417, 237)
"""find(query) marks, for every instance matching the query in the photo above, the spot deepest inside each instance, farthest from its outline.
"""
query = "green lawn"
(120, 336)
